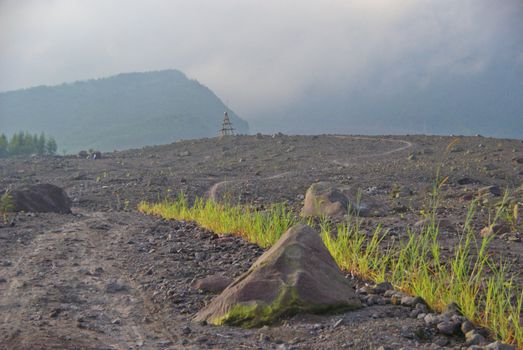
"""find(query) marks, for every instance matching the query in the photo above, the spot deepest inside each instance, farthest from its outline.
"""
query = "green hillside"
(123, 111)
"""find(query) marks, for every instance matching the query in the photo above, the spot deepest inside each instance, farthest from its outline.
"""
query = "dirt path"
(406, 145)
(69, 290)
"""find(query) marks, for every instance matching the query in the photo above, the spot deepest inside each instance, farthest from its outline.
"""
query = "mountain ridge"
(164, 105)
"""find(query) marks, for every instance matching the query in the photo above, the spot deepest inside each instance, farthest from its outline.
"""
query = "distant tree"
(50, 147)
(3, 146)
(25, 144)
(40, 145)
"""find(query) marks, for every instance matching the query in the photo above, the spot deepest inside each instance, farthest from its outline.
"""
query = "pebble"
(448, 328)
(474, 338)
(466, 327)
(186, 330)
(411, 301)
(440, 340)
(499, 346)
(382, 287)
(373, 299)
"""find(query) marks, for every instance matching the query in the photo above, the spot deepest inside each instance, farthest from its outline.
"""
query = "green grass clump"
(260, 227)
(483, 288)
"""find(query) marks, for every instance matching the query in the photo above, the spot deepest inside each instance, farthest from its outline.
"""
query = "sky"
(259, 56)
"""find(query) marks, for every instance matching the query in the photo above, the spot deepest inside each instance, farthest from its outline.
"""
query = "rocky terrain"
(108, 277)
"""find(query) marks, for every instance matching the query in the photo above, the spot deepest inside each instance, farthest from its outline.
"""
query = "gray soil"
(108, 277)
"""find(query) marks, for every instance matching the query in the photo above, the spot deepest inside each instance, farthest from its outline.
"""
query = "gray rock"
(295, 275)
(41, 198)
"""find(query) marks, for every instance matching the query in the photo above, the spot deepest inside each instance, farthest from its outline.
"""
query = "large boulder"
(335, 201)
(43, 198)
(296, 275)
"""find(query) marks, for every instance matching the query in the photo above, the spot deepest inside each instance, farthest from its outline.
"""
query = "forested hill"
(123, 111)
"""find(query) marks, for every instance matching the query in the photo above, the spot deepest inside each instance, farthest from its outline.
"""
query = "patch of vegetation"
(260, 227)
(482, 287)
(6, 206)
(25, 144)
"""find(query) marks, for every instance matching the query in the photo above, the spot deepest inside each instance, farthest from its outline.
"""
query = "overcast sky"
(255, 54)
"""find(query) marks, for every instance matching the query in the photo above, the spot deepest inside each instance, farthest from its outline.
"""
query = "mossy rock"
(297, 275)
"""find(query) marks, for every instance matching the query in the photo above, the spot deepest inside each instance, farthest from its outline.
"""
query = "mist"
(276, 62)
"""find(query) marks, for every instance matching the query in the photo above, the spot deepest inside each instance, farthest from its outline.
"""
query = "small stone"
(474, 338)
(212, 284)
(115, 287)
(422, 307)
(186, 330)
(431, 319)
(499, 346)
(384, 348)
(264, 338)
(440, 340)
(116, 321)
(410, 301)
(389, 293)
(414, 313)
(466, 327)
(448, 328)
(373, 299)
(382, 287)
(3, 280)
(493, 190)
(495, 229)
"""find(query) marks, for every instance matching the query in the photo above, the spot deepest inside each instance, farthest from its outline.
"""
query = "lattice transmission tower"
(227, 129)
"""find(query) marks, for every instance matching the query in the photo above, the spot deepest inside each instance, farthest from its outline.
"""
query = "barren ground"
(107, 277)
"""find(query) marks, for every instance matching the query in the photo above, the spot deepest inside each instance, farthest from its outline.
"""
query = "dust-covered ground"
(108, 277)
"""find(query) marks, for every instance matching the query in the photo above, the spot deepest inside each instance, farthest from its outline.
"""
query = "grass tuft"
(260, 227)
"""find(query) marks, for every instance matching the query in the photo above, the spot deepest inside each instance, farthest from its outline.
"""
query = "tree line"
(25, 144)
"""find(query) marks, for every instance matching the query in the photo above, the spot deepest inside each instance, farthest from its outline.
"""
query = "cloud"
(257, 55)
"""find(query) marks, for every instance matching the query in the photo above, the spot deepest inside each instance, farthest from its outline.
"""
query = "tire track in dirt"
(72, 290)
(213, 190)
